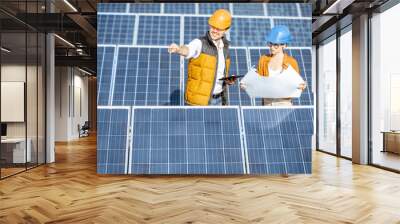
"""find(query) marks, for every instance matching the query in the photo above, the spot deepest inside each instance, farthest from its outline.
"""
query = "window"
(385, 89)
(327, 96)
(346, 92)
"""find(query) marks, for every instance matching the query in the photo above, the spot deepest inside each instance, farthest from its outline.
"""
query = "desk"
(16, 147)
(391, 141)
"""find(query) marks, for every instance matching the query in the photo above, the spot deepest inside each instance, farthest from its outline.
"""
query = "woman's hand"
(302, 86)
(242, 86)
(230, 81)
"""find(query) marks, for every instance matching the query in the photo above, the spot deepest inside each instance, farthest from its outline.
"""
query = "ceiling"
(77, 23)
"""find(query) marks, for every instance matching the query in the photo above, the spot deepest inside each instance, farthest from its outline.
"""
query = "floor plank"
(70, 191)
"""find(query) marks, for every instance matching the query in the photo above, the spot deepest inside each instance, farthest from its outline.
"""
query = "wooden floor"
(5, 172)
(70, 191)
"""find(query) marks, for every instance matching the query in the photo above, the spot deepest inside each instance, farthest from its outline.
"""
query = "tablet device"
(234, 77)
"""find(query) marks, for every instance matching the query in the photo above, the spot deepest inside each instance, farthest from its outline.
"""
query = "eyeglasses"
(275, 45)
(216, 29)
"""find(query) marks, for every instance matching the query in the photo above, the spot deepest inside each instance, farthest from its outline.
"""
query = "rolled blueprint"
(283, 85)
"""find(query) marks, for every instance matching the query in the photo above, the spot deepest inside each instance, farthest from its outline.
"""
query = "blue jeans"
(216, 102)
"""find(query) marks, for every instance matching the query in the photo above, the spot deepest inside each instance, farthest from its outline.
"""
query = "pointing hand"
(173, 48)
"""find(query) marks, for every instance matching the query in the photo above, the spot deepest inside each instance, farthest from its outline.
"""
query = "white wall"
(62, 81)
(34, 125)
(79, 117)
(12, 73)
(70, 83)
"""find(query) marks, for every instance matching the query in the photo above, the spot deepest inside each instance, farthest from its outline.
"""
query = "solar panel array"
(278, 140)
(239, 66)
(236, 9)
(141, 8)
(283, 10)
(204, 140)
(144, 127)
(147, 26)
(105, 58)
(115, 29)
(249, 32)
(248, 9)
(186, 141)
(112, 140)
(158, 30)
(146, 76)
(180, 8)
(112, 7)
(207, 9)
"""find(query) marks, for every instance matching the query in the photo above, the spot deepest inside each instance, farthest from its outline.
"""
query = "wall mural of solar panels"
(144, 125)
(204, 140)
(136, 69)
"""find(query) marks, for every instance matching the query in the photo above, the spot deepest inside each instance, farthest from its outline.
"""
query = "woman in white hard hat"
(208, 62)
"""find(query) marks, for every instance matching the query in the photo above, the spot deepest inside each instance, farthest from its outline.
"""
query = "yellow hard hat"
(221, 19)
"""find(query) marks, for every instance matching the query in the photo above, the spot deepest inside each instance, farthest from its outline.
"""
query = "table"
(16, 147)
(391, 141)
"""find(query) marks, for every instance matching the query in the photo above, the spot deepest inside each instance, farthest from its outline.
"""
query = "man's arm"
(192, 50)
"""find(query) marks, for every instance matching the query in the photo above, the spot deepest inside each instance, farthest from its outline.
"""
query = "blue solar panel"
(303, 58)
(105, 58)
(146, 76)
(112, 132)
(254, 9)
(158, 30)
(210, 8)
(115, 29)
(111, 7)
(282, 9)
(195, 27)
(300, 30)
(306, 9)
(255, 55)
(238, 67)
(145, 8)
(249, 32)
(186, 140)
(179, 8)
(278, 140)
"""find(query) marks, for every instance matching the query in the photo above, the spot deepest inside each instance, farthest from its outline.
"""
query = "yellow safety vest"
(202, 72)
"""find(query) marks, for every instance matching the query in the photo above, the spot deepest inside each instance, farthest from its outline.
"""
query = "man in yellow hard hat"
(208, 62)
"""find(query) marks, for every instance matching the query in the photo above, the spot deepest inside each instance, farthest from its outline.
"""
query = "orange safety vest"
(202, 72)
(262, 68)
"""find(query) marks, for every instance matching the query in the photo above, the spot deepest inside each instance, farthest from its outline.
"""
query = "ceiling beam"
(89, 30)
(82, 61)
